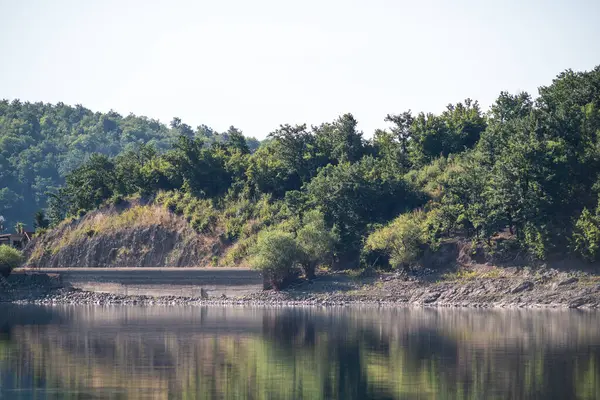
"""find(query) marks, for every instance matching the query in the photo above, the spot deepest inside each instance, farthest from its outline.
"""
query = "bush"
(403, 241)
(10, 258)
(315, 242)
(275, 254)
(200, 213)
(586, 235)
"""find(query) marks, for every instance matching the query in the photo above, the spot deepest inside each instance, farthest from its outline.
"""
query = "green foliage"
(457, 129)
(288, 161)
(91, 184)
(315, 241)
(200, 170)
(278, 251)
(586, 235)
(40, 222)
(275, 254)
(339, 141)
(40, 144)
(10, 259)
(200, 213)
(403, 241)
(528, 168)
(353, 196)
(392, 146)
(267, 173)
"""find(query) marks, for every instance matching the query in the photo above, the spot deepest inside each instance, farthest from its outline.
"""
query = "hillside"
(519, 181)
(41, 143)
(129, 235)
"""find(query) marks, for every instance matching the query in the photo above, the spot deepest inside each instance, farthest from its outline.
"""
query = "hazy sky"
(257, 64)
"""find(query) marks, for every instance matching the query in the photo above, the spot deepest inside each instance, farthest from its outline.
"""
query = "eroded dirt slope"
(134, 235)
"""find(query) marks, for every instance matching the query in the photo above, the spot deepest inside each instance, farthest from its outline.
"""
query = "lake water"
(75, 352)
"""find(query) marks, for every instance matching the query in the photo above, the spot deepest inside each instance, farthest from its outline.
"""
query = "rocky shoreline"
(481, 289)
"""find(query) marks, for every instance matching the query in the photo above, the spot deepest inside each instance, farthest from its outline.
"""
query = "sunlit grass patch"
(472, 274)
(590, 280)
(102, 223)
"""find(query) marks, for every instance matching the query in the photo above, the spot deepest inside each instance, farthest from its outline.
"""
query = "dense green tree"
(40, 221)
(455, 130)
(275, 254)
(289, 160)
(267, 173)
(236, 140)
(129, 167)
(586, 234)
(181, 128)
(88, 186)
(199, 169)
(10, 258)
(391, 146)
(510, 107)
(315, 242)
(295, 148)
(353, 196)
(339, 141)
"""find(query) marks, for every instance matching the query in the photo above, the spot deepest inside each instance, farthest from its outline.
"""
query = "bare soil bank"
(129, 235)
(475, 287)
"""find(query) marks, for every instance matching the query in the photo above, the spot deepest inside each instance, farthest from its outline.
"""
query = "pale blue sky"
(257, 64)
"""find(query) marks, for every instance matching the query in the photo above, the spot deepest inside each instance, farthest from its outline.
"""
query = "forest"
(527, 168)
(42, 143)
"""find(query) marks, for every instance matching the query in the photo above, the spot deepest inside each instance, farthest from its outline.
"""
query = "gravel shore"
(481, 289)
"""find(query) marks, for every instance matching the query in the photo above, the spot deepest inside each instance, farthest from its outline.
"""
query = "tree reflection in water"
(287, 353)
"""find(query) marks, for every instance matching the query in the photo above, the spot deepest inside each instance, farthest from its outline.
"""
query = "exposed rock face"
(567, 281)
(522, 287)
(149, 237)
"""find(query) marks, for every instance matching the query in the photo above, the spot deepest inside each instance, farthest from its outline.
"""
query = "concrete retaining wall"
(189, 282)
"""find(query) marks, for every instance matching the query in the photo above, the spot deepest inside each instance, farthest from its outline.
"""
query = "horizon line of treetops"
(528, 166)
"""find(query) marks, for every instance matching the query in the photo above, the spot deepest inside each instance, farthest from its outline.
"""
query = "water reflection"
(262, 353)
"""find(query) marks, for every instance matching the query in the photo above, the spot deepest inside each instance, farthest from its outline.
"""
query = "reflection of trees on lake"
(309, 353)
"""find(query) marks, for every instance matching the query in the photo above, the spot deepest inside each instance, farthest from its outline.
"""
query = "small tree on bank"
(586, 235)
(403, 240)
(315, 242)
(10, 258)
(275, 254)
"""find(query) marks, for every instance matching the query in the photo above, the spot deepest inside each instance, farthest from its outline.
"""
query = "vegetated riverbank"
(475, 286)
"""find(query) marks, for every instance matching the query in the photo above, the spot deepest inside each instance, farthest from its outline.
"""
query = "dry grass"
(125, 225)
(134, 217)
(100, 223)
(590, 280)
(472, 274)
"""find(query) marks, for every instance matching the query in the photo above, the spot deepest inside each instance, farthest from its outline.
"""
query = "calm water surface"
(307, 353)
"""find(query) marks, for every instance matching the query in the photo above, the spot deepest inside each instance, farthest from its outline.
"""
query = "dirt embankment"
(134, 235)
